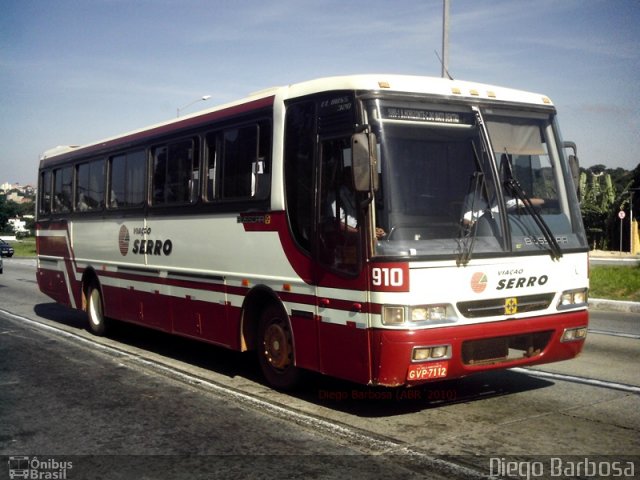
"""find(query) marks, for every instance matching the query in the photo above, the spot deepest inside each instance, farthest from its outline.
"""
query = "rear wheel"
(276, 353)
(95, 311)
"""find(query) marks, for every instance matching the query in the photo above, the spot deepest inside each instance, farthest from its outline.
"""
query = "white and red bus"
(388, 230)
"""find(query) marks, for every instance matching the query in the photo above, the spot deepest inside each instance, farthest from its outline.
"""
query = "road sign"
(621, 216)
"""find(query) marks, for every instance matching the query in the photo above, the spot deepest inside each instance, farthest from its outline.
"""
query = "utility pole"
(632, 231)
(445, 38)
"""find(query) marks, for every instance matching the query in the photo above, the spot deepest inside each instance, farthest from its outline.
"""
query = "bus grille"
(487, 351)
(505, 306)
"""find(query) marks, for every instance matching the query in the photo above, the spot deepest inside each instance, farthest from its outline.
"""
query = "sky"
(77, 71)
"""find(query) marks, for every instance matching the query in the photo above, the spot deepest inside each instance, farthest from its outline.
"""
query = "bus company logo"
(479, 282)
(123, 240)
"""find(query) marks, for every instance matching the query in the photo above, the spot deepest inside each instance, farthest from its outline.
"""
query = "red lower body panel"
(53, 284)
(392, 349)
(186, 316)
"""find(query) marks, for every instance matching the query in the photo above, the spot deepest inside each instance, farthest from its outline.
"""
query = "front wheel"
(95, 311)
(275, 350)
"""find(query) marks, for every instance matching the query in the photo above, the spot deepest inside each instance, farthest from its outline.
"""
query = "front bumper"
(476, 348)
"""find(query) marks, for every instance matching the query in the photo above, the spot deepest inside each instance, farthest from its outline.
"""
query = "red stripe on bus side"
(63, 250)
(57, 246)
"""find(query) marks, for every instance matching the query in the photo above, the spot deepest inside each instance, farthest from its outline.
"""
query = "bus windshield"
(458, 180)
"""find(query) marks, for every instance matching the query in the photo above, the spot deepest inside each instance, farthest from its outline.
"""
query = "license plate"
(428, 371)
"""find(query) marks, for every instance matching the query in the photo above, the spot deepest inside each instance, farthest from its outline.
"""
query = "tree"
(597, 195)
(603, 192)
(630, 180)
(10, 209)
(597, 169)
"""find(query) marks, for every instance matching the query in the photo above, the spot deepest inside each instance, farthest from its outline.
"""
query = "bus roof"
(452, 89)
(418, 84)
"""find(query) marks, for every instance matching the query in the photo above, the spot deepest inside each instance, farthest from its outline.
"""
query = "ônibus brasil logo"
(478, 282)
(123, 240)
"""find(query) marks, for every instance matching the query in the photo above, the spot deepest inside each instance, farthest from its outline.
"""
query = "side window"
(261, 174)
(238, 163)
(175, 173)
(62, 187)
(128, 173)
(45, 193)
(240, 150)
(298, 170)
(211, 166)
(90, 186)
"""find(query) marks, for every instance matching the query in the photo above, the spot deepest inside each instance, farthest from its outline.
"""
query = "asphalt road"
(64, 400)
(141, 404)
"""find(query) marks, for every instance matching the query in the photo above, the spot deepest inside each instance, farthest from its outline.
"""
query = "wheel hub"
(276, 344)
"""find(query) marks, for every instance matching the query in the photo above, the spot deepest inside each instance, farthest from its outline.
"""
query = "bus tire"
(95, 311)
(275, 350)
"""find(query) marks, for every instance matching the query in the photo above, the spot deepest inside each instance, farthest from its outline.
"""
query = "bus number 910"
(388, 278)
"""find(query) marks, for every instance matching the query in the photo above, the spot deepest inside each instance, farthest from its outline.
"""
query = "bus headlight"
(436, 352)
(428, 313)
(440, 352)
(393, 315)
(421, 354)
(397, 315)
(573, 298)
(574, 334)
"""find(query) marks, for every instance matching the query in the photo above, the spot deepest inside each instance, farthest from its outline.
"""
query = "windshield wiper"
(467, 238)
(468, 233)
(512, 185)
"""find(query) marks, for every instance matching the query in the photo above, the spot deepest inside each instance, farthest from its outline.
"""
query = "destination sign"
(418, 115)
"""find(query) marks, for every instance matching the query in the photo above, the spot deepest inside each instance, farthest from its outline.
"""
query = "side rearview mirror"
(364, 161)
(574, 165)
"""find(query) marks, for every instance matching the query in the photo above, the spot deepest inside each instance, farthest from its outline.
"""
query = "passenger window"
(175, 173)
(90, 186)
(63, 182)
(211, 168)
(45, 195)
(240, 147)
(128, 174)
(238, 163)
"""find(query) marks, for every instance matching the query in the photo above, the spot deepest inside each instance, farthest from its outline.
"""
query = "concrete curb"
(615, 305)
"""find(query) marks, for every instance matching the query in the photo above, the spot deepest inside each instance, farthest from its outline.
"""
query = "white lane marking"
(614, 334)
(575, 379)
